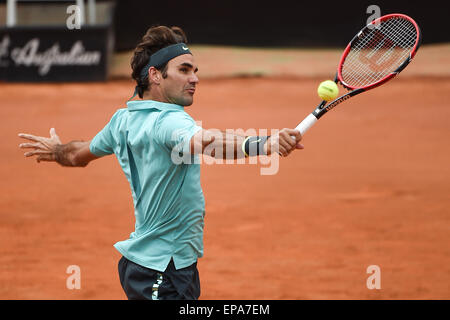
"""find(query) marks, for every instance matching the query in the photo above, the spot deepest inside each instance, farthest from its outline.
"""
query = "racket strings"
(375, 41)
(369, 67)
(378, 52)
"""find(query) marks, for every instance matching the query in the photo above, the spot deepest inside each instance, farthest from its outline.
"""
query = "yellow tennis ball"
(328, 90)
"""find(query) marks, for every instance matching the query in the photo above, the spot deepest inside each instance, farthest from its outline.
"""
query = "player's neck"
(155, 95)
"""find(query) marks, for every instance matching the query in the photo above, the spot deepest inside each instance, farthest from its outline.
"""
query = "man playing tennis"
(160, 257)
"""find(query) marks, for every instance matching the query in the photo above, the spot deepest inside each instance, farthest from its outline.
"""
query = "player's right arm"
(222, 145)
(72, 154)
(179, 133)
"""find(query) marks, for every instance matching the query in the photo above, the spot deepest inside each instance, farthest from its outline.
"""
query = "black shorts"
(140, 283)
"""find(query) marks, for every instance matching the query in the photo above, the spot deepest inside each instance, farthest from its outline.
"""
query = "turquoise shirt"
(148, 139)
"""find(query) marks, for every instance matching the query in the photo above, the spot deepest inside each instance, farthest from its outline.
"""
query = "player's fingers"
(299, 146)
(282, 151)
(288, 142)
(29, 137)
(32, 145)
(288, 139)
(295, 134)
(53, 134)
(35, 152)
(284, 144)
(47, 144)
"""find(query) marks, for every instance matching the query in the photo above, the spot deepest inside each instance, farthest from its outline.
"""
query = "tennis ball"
(328, 90)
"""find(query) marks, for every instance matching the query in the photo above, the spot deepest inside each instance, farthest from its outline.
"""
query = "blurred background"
(111, 29)
(275, 23)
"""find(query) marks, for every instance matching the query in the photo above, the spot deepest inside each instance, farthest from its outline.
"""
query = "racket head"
(380, 51)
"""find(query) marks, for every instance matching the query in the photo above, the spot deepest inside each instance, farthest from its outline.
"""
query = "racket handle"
(306, 124)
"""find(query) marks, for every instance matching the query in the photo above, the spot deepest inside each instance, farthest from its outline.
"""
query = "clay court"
(371, 186)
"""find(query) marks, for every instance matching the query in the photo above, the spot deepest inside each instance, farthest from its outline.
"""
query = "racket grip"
(306, 124)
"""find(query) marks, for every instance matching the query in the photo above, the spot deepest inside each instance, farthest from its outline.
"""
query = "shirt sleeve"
(103, 143)
(175, 130)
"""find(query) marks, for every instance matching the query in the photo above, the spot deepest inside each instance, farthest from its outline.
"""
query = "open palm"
(43, 148)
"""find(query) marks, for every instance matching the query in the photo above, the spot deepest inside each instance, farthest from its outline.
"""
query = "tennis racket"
(379, 52)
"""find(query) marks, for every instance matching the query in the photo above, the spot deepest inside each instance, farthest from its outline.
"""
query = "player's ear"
(154, 75)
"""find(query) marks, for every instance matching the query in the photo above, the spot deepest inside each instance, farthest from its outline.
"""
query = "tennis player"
(159, 260)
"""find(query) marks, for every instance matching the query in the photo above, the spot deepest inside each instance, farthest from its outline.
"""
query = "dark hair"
(155, 38)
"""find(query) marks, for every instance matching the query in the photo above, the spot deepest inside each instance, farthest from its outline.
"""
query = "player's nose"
(193, 78)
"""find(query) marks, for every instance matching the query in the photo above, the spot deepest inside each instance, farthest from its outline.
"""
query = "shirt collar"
(137, 105)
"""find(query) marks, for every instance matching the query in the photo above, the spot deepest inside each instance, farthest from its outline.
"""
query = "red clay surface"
(371, 187)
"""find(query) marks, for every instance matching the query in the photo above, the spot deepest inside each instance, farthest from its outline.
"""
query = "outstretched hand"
(43, 148)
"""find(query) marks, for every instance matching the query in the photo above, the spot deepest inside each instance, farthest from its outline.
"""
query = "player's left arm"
(72, 154)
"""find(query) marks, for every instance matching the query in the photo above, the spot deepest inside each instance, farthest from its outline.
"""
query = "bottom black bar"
(232, 309)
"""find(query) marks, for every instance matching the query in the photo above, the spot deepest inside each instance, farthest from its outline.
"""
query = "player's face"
(180, 84)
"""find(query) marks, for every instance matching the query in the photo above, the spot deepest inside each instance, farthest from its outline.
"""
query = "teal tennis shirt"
(168, 199)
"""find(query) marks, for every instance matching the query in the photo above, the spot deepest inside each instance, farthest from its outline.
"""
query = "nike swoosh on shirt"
(184, 48)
